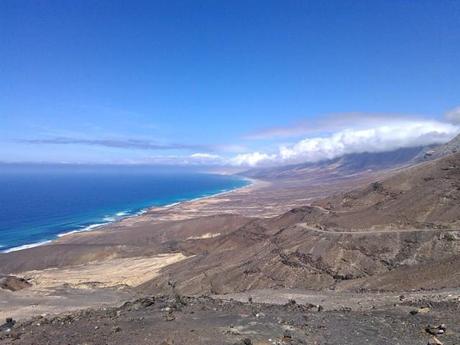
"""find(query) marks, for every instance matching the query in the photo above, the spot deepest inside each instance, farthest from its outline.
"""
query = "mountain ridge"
(438, 151)
(341, 166)
(407, 221)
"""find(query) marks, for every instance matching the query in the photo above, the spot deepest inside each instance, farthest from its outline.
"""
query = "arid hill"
(405, 224)
(340, 167)
(438, 151)
(422, 196)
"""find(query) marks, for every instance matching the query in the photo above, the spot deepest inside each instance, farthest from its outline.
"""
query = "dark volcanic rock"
(9, 323)
(206, 321)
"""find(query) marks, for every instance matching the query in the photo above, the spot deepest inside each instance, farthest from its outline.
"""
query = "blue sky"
(224, 82)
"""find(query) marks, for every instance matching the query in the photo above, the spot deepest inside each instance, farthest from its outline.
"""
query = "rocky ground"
(203, 320)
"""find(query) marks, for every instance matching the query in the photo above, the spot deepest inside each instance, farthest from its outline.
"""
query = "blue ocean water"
(38, 204)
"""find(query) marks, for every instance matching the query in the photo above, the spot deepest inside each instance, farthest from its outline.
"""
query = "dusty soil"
(180, 320)
(109, 273)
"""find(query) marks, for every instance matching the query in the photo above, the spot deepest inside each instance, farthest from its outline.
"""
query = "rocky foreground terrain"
(378, 264)
(204, 320)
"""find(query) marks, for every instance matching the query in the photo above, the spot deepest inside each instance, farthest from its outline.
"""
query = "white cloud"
(364, 134)
(204, 156)
(391, 136)
(252, 159)
(332, 122)
(453, 116)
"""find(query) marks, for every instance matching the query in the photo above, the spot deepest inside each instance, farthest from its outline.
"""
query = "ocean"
(39, 204)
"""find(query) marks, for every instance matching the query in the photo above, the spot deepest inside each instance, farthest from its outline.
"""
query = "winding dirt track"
(371, 232)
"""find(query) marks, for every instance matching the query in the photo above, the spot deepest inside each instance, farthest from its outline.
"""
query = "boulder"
(13, 283)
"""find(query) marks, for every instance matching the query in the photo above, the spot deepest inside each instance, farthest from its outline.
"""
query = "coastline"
(251, 183)
(106, 265)
(123, 216)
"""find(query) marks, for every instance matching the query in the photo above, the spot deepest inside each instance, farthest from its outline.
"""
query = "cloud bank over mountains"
(394, 135)
(322, 139)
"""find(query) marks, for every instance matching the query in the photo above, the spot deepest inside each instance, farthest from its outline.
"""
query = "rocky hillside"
(339, 167)
(423, 196)
(357, 163)
(405, 223)
(439, 151)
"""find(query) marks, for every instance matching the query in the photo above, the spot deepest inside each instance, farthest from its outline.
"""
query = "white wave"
(172, 204)
(26, 246)
(106, 220)
(117, 216)
(88, 228)
(123, 214)
(203, 197)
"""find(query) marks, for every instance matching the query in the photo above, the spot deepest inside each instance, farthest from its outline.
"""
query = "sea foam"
(79, 202)
(26, 246)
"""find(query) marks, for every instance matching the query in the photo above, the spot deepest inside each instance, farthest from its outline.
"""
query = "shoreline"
(125, 216)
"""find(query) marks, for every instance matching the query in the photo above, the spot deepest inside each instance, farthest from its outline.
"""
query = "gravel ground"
(203, 320)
